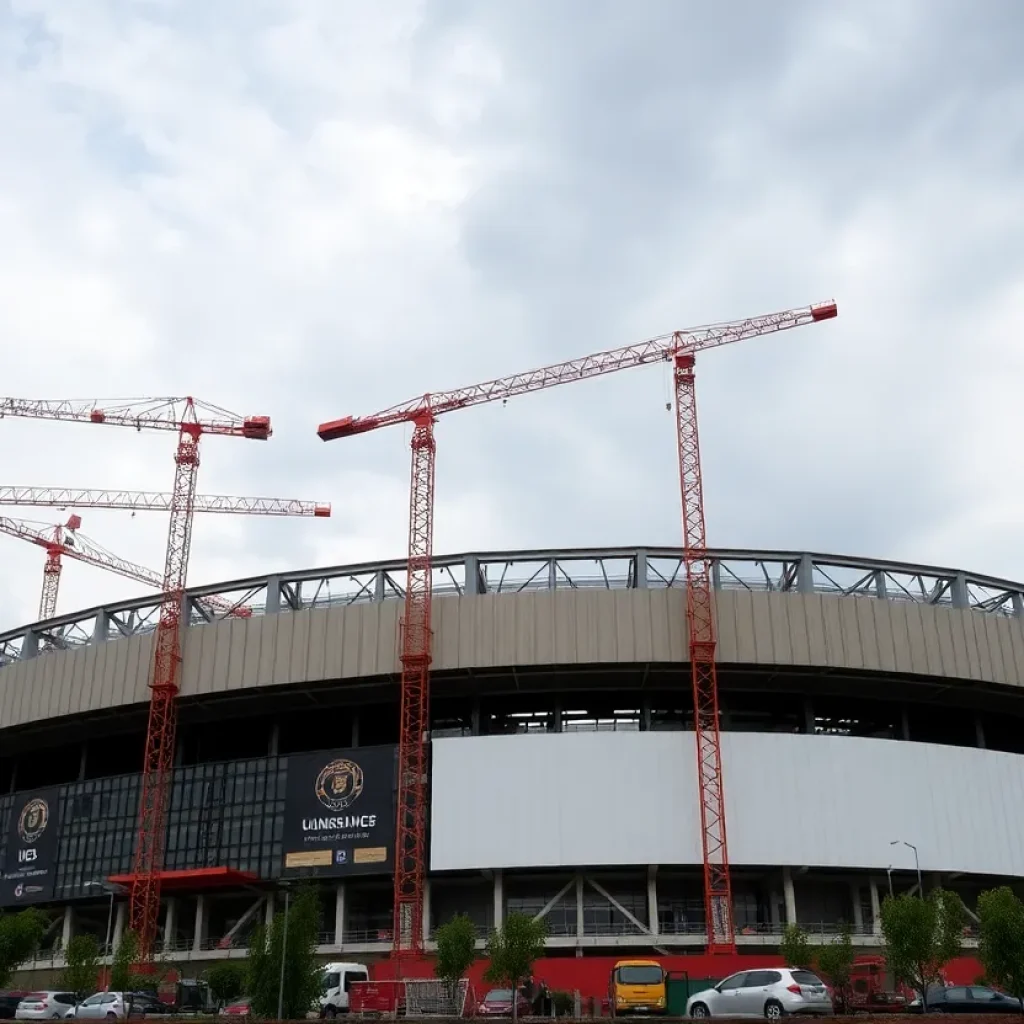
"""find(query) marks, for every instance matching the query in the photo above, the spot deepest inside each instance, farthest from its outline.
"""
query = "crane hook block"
(256, 428)
(826, 311)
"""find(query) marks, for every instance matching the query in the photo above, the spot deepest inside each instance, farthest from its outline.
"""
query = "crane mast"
(679, 346)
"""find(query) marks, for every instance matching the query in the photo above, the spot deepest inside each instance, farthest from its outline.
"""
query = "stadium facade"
(873, 733)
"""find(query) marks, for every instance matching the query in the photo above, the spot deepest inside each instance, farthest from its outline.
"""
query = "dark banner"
(339, 816)
(30, 865)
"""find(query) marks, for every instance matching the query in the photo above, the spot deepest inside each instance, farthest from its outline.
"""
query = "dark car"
(970, 999)
(9, 1003)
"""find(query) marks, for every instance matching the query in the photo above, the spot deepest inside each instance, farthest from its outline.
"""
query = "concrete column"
(83, 761)
(858, 913)
(274, 740)
(339, 914)
(170, 922)
(100, 627)
(68, 932)
(579, 907)
(876, 908)
(652, 898)
(789, 894)
(979, 731)
(426, 909)
(355, 727)
(199, 937)
(499, 897)
(268, 913)
(273, 601)
(120, 916)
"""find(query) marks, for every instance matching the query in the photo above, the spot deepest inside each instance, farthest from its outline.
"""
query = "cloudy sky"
(312, 208)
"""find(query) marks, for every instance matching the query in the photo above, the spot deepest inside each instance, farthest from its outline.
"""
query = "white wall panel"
(582, 799)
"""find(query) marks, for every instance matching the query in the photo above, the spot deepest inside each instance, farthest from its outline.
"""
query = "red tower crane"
(190, 419)
(63, 539)
(678, 347)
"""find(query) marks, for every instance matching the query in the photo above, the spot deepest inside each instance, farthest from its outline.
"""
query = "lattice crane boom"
(160, 501)
(65, 539)
(142, 414)
(655, 350)
(678, 347)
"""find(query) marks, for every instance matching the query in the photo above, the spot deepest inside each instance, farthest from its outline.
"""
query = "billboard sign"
(30, 864)
(339, 816)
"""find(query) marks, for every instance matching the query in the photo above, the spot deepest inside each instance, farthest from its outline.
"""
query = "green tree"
(227, 980)
(124, 967)
(456, 951)
(835, 961)
(794, 947)
(512, 950)
(1001, 938)
(20, 936)
(921, 936)
(301, 970)
(82, 968)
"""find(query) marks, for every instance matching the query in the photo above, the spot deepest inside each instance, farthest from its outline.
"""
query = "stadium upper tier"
(531, 608)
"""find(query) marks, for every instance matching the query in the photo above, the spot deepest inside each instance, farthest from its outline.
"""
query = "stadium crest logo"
(339, 784)
(34, 818)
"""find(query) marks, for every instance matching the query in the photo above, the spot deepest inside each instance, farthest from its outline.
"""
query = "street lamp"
(284, 947)
(917, 862)
(113, 889)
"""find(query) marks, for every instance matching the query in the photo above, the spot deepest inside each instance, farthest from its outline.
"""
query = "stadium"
(872, 736)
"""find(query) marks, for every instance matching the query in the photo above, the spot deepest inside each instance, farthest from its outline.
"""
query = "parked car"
(773, 993)
(498, 1003)
(239, 1008)
(967, 999)
(9, 1002)
(106, 1006)
(45, 1006)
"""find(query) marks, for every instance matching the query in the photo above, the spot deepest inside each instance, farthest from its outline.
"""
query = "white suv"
(44, 1006)
(773, 992)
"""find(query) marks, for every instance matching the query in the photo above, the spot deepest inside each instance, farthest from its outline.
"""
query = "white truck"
(335, 982)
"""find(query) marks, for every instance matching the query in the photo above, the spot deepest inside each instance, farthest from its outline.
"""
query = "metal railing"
(530, 571)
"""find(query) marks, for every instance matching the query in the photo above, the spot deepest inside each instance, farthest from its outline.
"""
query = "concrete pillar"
(652, 898)
(199, 936)
(120, 917)
(858, 913)
(268, 913)
(876, 908)
(499, 898)
(83, 761)
(273, 600)
(579, 907)
(789, 894)
(274, 740)
(100, 627)
(170, 922)
(355, 727)
(339, 914)
(426, 909)
(979, 731)
(68, 932)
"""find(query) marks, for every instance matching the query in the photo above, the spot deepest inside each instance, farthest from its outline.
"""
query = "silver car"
(772, 992)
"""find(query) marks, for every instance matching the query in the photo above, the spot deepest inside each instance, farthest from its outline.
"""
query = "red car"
(498, 1003)
(240, 1008)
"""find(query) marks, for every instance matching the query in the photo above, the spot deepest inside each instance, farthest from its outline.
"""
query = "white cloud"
(312, 208)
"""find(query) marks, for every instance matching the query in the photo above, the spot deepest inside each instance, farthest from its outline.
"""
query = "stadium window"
(451, 716)
(518, 713)
(932, 724)
(530, 895)
(842, 716)
(671, 713)
(1003, 732)
(600, 719)
(758, 711)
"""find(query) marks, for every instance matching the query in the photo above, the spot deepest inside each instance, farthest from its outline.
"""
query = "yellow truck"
(636, 986)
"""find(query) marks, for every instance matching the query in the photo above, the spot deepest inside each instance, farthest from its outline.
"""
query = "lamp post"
(917, 862)
(284, 947)
(113, 889)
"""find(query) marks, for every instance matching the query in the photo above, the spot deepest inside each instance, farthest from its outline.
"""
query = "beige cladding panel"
(570, 627)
